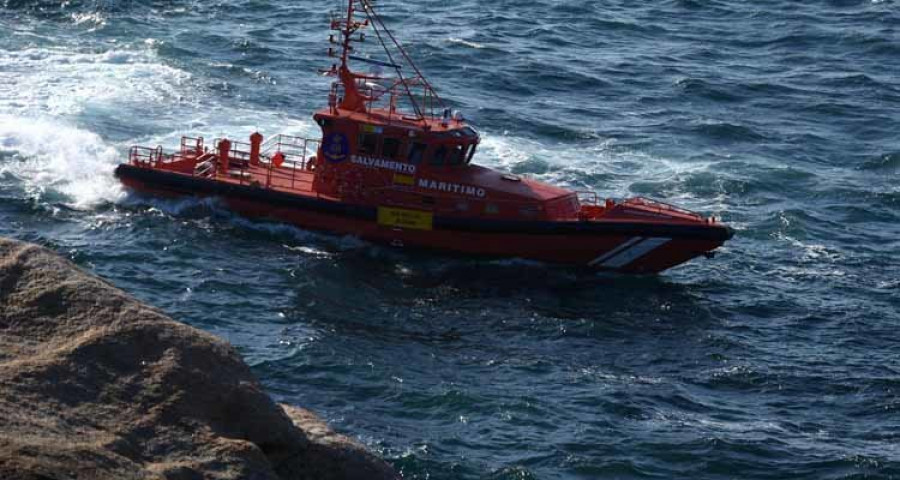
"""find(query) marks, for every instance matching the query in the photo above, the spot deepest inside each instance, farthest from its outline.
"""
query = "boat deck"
(283, 164)
(291, 175)
(286, 178)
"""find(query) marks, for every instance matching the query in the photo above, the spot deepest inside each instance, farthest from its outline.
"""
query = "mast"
(354, 99)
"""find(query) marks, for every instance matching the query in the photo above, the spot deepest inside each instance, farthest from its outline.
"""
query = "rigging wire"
(370, 14)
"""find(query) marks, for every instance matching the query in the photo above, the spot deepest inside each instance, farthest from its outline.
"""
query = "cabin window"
(391, 148)
(471, 153)
(456, 155)
(440, 154)
(416, 152)
(368, 144)
(469, 132)
(467, 151)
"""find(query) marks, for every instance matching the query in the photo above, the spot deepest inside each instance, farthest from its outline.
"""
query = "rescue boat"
(394, 166)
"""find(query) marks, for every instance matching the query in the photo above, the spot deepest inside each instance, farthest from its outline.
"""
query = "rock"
(96, 385)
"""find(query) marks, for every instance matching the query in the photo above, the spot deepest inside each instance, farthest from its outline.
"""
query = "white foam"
(565, 161)
(175, 206)
(573, 166)
(45, 91)
(42, 92)
(811, 252)
(59, 81)
(466, 43)
(95, 19)
(507, 152)
(49, 155)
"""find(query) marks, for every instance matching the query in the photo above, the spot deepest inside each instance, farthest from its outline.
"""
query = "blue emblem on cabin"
(336, 148)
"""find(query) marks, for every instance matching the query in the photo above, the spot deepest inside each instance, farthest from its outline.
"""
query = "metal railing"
(662, 207)
(154, 156)
(192, 145)
(587, 197)
(145, 156)
(295, 152)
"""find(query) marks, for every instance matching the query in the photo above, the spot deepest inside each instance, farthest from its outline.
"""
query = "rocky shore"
(96, 385)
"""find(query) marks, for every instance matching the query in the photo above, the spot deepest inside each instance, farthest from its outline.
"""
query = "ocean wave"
(727, 131)
(887, 161)
(701, 88)
(58, 81)
(49, 156)
(776, 115)
(466, 43)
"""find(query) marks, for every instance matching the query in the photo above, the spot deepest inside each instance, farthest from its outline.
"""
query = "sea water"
(778, 359)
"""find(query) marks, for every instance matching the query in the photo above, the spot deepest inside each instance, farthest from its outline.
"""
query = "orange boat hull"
(623, 246)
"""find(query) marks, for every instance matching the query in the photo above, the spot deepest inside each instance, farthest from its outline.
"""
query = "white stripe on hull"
(628, 251)
(623, 246)
(634, 252)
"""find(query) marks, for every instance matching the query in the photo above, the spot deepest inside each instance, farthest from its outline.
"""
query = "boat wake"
(58, 163)
(60, 82)
(46, 95)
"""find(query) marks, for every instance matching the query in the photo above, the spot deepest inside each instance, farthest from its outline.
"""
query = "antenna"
(361, 14)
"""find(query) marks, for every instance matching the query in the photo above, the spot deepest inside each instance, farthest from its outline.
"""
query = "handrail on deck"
(588, 197)
(296, 152)
(191, 145)
(663, 206)
(145, 156)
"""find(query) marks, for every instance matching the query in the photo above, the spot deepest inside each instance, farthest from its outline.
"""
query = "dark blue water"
(778, 359)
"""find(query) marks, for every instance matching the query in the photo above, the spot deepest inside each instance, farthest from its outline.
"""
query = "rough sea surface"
(778, 359)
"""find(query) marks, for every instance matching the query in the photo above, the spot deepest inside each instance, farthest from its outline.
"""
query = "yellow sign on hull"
(403, 218)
